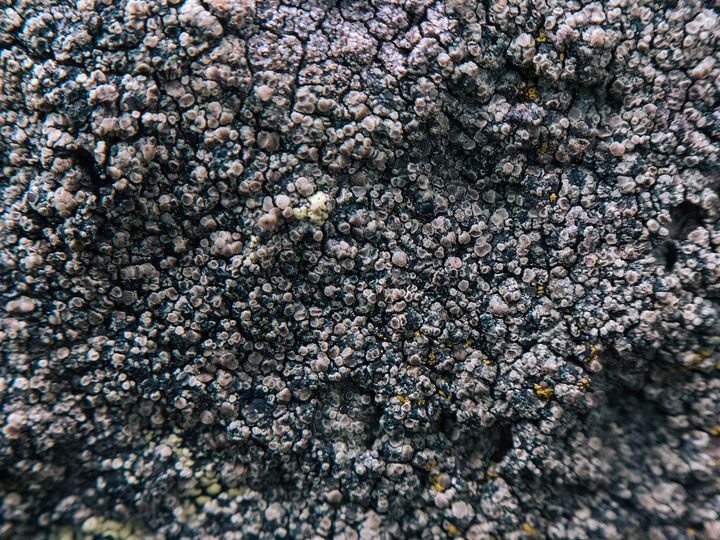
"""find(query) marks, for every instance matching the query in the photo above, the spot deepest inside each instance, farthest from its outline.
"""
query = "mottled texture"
(360, 269)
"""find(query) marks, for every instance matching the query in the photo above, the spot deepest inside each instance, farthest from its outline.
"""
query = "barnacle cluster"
(359, 269)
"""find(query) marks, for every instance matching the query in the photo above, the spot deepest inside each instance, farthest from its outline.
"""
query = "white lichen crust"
(359, 269)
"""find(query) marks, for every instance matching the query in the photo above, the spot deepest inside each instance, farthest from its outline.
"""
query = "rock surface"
(359, 269)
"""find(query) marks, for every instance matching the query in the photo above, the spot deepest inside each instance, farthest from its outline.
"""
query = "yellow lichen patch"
(491, 471)
(405, 399)
(532, 93)
(529, 529)
(452, 530)
(469, 342)
(705, 353)
(543, 147)
(540, 291)
(541, 37)
(442, 394)
(553, 197)
(583, 382)
(435, 483)
(431, 358)
(417, 333)
(487, 362)
(715, 430)
(542, 392)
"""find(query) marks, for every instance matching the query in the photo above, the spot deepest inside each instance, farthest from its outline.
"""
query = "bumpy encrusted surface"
(359, 269)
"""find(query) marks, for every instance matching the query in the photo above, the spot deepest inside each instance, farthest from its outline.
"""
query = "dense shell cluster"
(360, 269)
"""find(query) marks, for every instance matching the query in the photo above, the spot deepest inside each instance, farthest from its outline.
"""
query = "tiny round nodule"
(399, 258)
